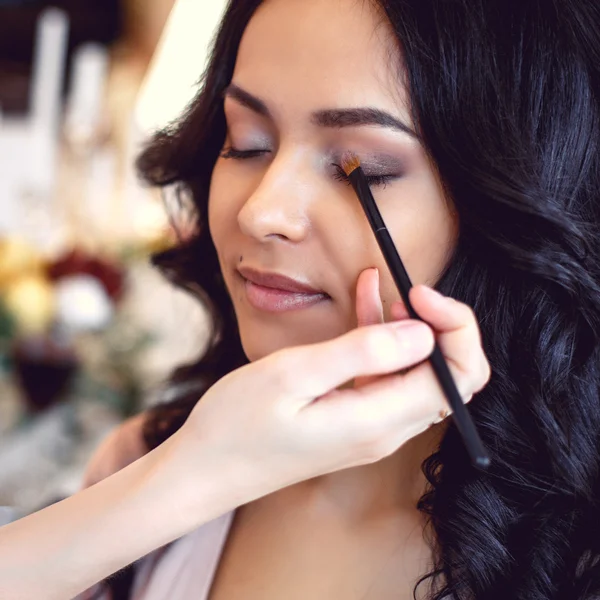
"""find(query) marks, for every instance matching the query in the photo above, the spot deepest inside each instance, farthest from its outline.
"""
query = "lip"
(277, 281)
(273, 292)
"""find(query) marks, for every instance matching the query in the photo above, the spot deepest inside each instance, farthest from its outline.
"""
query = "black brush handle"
(460, 414)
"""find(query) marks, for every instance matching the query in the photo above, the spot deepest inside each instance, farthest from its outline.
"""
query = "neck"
(391, 485)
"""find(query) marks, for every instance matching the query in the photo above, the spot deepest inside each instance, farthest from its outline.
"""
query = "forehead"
(310, 54)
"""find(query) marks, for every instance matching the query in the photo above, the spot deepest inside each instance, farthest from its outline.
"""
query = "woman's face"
(313, 79)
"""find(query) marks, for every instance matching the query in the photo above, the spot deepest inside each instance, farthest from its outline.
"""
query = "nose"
(278, 207)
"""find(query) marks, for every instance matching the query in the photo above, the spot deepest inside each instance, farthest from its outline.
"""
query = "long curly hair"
(505, 96)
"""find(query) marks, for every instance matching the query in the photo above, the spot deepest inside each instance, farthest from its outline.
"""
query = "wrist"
(193, 481)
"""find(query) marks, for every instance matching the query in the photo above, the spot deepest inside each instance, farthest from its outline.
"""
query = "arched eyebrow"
(337, 118)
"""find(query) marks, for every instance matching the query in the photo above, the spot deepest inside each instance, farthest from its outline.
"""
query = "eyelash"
(340, 175)
(374, 180)
(241, 154)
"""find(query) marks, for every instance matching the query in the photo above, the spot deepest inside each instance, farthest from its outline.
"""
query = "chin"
(257, 344)
(260, 339)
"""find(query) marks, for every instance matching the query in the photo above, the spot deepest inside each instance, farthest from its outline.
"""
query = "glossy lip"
(276, 281)
(276, 301)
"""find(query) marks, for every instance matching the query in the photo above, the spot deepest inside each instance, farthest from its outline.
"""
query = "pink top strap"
(184, 570)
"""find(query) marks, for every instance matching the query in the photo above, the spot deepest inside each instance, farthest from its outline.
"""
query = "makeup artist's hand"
(281, 420)
(369, 311)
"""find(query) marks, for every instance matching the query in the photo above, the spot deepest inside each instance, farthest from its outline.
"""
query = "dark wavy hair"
(505, 96)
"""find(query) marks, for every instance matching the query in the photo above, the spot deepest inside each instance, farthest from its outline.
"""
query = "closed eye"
(241, 154)
(373, 180)
(340, 175)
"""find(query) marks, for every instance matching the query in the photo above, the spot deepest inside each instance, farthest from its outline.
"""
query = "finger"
(398, 311)
(369, 309)
(371, 350)
(457, 330)
(442, 312)
(392, 407)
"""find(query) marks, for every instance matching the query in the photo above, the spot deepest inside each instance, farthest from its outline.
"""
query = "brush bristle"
(350, 162)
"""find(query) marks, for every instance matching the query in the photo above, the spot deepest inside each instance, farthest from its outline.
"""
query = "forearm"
(60, 551)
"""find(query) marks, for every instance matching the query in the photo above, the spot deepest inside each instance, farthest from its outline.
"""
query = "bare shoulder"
(122, 446)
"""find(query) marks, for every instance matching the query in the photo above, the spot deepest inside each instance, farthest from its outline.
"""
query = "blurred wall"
(146, 20)
(178, 62)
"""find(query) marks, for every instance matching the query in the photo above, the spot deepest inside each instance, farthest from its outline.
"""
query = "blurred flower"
(16, 259)
(77, 262)
(82, 303)
(31, 302)
(79, 297)
(44, 366)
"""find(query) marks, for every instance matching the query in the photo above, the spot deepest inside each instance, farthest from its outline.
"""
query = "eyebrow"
(331, 118)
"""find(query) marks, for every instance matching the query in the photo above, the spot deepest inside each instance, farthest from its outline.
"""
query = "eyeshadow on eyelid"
(249, 141)
(380, 164)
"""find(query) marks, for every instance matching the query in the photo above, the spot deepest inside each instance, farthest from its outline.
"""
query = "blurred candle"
(49, 68)
(85, 106)
(14, 153)
(46, 95)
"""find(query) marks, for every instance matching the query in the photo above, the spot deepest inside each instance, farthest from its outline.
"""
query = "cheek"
(425, 233)
(429, 242)
(224, 203)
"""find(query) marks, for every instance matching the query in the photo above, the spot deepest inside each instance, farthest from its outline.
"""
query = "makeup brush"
(464, 423)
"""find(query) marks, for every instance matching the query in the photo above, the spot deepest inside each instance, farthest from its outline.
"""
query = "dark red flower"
(77, 262)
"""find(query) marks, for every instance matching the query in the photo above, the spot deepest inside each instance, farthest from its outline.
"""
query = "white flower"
(82, 303)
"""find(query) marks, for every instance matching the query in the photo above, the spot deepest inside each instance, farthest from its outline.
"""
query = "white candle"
(14, 162)
(46, 95)
(85, 106)
(49, 68)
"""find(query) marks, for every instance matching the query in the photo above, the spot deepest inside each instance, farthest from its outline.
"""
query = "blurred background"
(88, 330)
